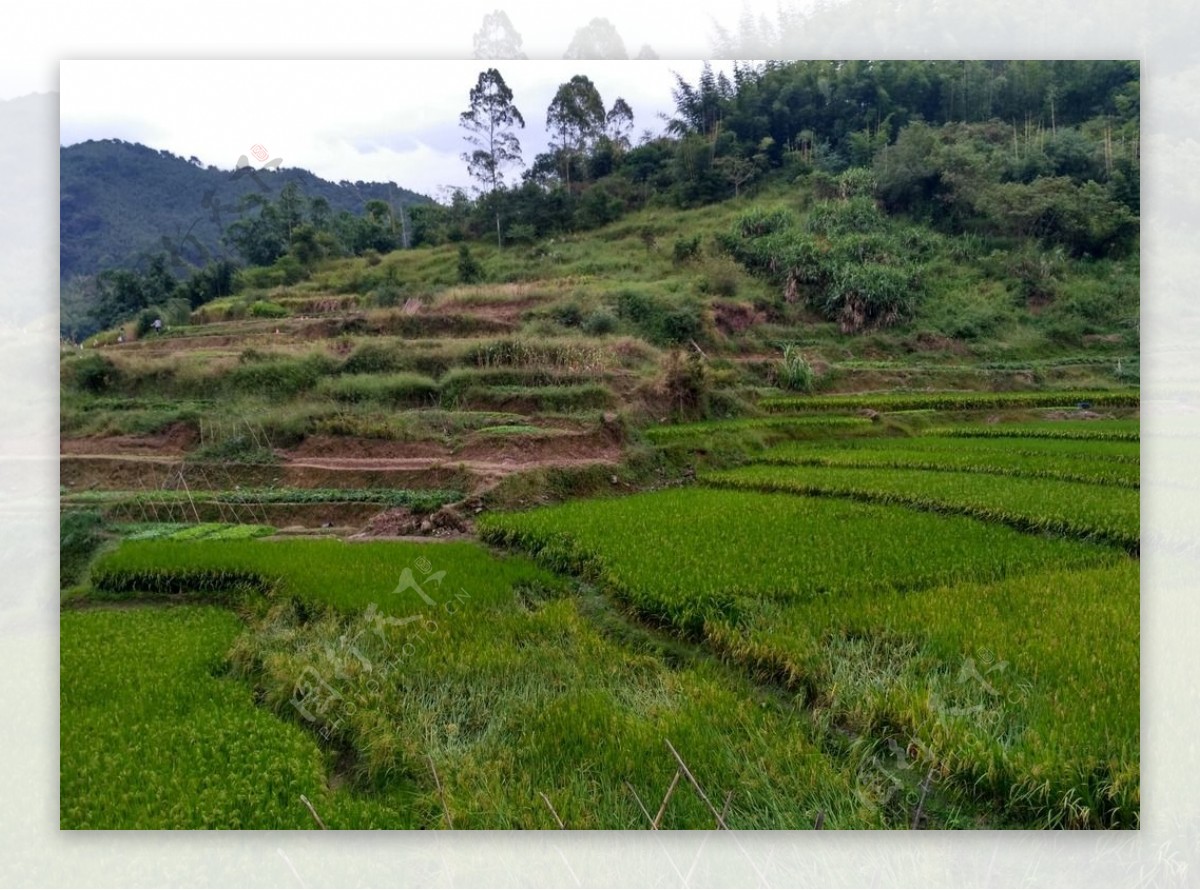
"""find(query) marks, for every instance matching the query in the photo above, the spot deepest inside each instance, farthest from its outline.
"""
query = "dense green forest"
(1043, 149)
(1039, 160)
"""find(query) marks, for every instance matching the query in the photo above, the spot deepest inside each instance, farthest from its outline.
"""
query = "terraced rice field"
(1082, 510)
(504, 688)
(1113, 462)
(850, 620)
(154, 737)
(969, 598)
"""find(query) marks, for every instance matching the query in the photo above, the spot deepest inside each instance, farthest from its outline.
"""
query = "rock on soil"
(403, 522)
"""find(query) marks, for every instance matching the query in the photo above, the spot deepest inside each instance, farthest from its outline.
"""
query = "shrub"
(289, 269)
(600, 322)
(856, 182)
(92, 373)
(658, 322)
(259, 277)
(568, 315)
(525, 399)
(266, 309)
(399, 389)
(241, 447)
(687, 384)
(681, 325)
(508, 353)
(387, 296)
(686, 249)
(522, 233)
(856, 215)
(870, 295)
(469, 270)
(79, 535)
(756, 223)
(146, 319)
(177, 312)
(720, 279)
(370, 358)
(455, 385)
(823, 185)
(282, 377)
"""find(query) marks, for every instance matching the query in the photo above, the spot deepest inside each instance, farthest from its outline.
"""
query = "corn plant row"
(1104, 514)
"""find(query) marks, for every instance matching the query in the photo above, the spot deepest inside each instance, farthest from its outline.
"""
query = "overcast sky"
(359, 120)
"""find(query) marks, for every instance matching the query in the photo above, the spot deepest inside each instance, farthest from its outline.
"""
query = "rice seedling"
(1106, 514)
(1110, 430)
(1072, 464)
(960, 401)
(691, 555)
(1022, 691)
(874, 616)
(152, 736)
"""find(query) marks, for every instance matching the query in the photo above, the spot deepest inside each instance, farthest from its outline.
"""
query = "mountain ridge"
(122, 201)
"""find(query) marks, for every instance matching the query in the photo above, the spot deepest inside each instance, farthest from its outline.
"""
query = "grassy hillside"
(648, 319)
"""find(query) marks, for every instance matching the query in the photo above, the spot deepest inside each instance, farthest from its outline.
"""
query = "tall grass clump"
(282, 378)
(795, 372)
(398, 389)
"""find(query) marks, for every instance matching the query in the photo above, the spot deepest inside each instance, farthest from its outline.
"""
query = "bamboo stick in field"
(553, 812)
(696, 785)
(441, 793)
(304, 800)
(662, 809)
